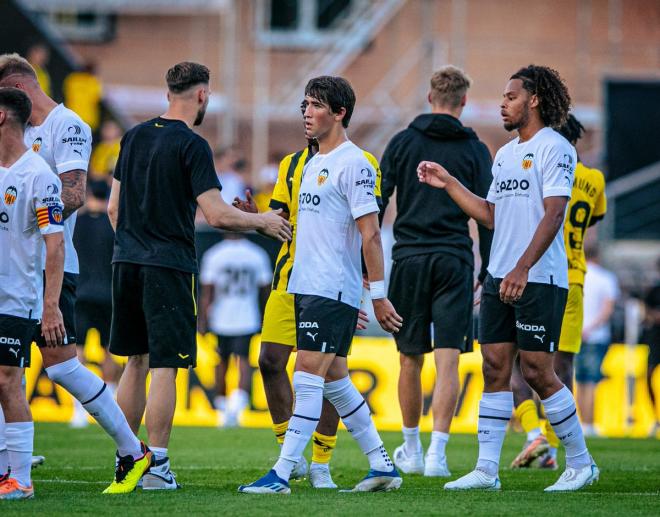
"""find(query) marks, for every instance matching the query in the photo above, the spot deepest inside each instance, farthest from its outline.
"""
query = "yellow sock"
(528, 416)
(322, 447)
(280, 431)
(550, 434)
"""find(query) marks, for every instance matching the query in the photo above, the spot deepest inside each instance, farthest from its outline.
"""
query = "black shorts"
(16, 340)
(654, 356)
(324, 325)
(154, 311)
(93, 315)
(67, 308)
(237, 345)
(533, 322)
(433, 289)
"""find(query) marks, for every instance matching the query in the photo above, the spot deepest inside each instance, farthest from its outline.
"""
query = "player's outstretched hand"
(513, 285)
(247, 204)
(276, 226)
(388, 318)
(52, 325)
(363, 320)
(433, 174)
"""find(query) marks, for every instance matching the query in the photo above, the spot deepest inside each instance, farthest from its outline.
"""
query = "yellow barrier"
(622, 407)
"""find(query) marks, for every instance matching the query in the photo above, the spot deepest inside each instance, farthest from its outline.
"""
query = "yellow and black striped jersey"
(285, 196)
(588, 204)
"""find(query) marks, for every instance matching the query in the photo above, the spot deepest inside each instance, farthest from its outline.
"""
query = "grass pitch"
(211, 463)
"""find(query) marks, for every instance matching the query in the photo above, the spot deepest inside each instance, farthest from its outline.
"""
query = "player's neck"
(332, 139)
(527, 132)
(182, 113)
(444, 110)
(12, 148)
(42, 105)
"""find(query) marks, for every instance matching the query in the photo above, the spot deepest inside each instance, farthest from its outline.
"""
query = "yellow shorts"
(571, 327)
(279, 319)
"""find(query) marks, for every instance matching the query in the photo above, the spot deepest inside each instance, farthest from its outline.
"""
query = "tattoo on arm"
(73, 190)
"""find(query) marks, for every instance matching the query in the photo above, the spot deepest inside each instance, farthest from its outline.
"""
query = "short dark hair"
(336, 92)
(16, 101)
(185, 75)
(572, 130)
(549, 87)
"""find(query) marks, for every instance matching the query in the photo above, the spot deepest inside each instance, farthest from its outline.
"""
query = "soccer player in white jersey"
(337, 214)
(30, 214)
(63, 140)
(524, 294)
(235, 277)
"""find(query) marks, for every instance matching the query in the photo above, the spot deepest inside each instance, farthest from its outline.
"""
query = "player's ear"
(534, 101)
(3, 116)
(463, 100)
(340, 114)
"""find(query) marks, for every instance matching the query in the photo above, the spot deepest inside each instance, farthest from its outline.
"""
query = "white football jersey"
(236, 269)
(336, 189)
(29, 208)
(523, 175)
(65, 142)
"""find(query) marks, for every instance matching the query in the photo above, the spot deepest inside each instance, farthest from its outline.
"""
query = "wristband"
(377, 289)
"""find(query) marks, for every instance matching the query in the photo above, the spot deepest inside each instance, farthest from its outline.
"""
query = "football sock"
(355, 414)
(322, 447)
(411, 442)
(160, 453)
(528, 416)
(562, 415)
(280, 431)
(438, 443)
(308, 389)
(20, 441)
(550, 434)
(4, 456)
(91, 391)
(494, 414)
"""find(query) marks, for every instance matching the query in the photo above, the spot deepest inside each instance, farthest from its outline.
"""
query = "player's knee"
(271, 363)
(414, 362)
(10, 383)
(535, 376)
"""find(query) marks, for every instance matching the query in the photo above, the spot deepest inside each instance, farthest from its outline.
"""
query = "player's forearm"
(227, 217)
(474, 206)
(543, 236)
(54, 269)
(73, 190)
(372, 250)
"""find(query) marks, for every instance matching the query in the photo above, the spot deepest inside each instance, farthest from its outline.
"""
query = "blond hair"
(449, 85)
(12, 64)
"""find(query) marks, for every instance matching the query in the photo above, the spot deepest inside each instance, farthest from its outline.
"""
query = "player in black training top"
(163, 172)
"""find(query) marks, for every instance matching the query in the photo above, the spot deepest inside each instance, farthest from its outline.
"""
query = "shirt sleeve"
(357, 182)
(72, 145)
(47, 204)
(601, 204)
(558, 169)
(280, 197)
(492, 190)
(612, 287)
(379, 177)
(198, 160)
(206, 269)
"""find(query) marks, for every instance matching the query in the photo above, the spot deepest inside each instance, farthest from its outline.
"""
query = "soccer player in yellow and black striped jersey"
(587, 206)
(278, 335)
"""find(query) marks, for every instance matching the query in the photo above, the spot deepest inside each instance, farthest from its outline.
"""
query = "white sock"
(20, 443)
(220, 402)
(355, 414)
(494, 415)
(533, 434)
(411, 442)
(562, 415)
(91, 391)
(237, 402)
(308, 389)
(4, 456)
(160, 453)
(438, 443)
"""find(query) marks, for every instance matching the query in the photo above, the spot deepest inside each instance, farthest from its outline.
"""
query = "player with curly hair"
(525, 291)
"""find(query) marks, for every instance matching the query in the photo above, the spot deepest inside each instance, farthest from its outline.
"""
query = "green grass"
(211, 463)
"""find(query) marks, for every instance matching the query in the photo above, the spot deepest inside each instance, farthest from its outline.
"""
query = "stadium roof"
(128, 6)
